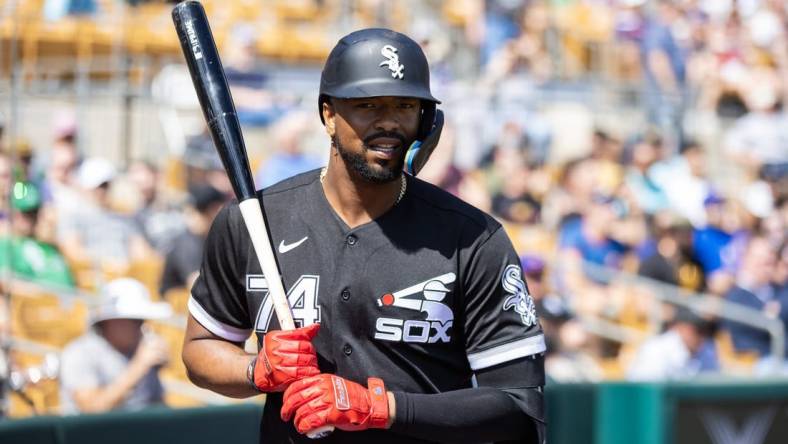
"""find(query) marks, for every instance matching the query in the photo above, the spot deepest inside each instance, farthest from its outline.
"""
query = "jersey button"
(347, 349)
(351, 240)
(345, 294)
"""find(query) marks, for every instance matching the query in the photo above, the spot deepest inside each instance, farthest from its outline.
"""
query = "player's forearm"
(218, 366)
(471, 415)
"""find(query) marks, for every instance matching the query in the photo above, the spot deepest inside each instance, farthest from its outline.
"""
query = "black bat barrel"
(209, 80)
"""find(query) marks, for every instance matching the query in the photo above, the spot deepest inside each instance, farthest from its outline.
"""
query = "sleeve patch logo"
(519, 299)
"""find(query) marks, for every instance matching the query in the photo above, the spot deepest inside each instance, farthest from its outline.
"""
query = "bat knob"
(320, 432)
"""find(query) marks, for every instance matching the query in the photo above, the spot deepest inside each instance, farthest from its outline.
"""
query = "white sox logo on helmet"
(392, 62)
(520, 300)
(424, 297)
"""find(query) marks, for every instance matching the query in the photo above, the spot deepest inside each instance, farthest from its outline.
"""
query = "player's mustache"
(389, 134)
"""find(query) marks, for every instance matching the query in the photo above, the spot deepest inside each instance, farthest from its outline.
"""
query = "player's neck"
(355, 200)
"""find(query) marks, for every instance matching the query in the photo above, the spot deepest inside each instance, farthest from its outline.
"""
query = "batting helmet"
(378, 62)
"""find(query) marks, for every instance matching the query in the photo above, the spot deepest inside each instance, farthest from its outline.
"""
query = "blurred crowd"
(72, 225)
(693, 195)
(684, 192)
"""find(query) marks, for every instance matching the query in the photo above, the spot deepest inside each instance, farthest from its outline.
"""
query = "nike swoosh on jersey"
(284, 248)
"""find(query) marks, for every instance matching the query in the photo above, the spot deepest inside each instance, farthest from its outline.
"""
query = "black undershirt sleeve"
(491, 412)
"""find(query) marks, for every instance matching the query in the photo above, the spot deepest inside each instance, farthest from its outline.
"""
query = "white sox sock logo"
(392, 62)
(520, 300)
(434, 328)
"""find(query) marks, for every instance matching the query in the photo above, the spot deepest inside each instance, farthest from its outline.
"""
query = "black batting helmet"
(378, 62)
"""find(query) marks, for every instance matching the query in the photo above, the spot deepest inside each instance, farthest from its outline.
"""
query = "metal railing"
(664, 293)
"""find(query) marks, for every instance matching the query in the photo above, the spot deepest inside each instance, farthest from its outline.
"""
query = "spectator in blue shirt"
(289, 157)
(754, 289)
(590, 235)
(256, 103)
(710, 240)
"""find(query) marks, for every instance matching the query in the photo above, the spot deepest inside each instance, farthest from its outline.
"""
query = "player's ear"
(328, 117)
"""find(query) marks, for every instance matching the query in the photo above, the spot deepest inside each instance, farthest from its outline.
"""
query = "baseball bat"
(217, 105)
(210, 83)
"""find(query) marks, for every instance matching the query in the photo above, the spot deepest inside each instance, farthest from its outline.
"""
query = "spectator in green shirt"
(29, 258)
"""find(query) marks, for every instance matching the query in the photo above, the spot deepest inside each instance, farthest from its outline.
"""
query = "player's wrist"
(379, 416)
(392, 404)
(250, 374)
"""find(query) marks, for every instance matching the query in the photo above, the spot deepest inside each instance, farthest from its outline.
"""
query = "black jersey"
(421, 297)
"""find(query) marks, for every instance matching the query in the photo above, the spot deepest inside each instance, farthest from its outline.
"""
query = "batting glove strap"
(379, 404)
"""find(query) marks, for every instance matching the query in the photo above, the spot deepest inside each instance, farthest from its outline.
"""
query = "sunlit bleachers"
(44, 318)
(291, 31)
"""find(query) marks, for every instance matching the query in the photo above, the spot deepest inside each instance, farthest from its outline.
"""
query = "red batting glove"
(328, 400)
(285, 356)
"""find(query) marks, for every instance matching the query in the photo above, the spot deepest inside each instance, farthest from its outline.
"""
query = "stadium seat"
(175, 174)
(636, 307)
(733, 361)
(296, 9)
(294, 43)
(458, 12)
(84, 274)
(39, 399)
(174, 338)
(611, 368)
(42, 318)
(149, 30)
(148, 271)
(178, 298)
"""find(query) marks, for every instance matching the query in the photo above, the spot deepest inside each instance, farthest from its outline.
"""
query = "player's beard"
(358, 162)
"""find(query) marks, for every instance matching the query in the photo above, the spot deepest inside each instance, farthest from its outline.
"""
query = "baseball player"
(415, 322)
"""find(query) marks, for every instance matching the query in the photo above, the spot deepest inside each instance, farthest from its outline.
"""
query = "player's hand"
(285, 357)
(328, 400)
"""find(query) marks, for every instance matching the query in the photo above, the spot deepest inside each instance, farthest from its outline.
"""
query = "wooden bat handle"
(253, 217)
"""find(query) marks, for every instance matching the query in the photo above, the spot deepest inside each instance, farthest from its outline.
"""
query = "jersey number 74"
(302, 298)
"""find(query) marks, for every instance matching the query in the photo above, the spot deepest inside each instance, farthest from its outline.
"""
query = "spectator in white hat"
(115, 364)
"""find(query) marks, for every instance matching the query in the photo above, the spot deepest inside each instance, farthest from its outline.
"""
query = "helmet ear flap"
(427, 119)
